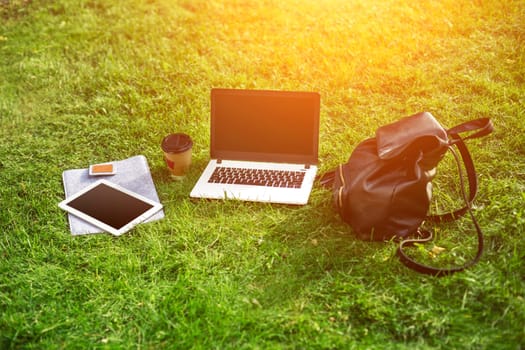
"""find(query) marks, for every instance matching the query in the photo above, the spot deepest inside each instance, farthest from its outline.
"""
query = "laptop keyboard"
(257, 177)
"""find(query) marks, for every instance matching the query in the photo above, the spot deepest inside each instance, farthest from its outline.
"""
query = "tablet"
(110, 207)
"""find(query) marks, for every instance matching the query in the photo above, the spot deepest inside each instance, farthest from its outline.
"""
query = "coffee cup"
(177, 153)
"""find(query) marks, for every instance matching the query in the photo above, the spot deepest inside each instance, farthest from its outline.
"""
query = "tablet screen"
(110, 205)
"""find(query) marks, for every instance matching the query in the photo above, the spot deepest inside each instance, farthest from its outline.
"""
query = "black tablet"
(110, 207)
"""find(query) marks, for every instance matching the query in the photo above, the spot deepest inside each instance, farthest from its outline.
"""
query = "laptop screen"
(267, 126)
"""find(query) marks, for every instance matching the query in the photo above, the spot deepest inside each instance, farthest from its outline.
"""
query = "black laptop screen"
(260, 125)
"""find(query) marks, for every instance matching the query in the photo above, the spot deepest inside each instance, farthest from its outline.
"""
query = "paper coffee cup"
(177, 153)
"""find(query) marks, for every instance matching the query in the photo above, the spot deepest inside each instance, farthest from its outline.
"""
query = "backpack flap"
(421, 132)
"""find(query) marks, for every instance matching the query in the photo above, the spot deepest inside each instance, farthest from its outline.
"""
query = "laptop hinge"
(219, 161)
(307, 166)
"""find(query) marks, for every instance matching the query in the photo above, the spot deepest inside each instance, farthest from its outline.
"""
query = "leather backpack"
(384, 190)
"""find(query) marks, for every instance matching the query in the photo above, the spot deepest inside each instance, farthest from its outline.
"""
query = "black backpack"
(384, 189)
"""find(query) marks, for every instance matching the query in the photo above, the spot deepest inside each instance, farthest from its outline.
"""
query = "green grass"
(98, 80)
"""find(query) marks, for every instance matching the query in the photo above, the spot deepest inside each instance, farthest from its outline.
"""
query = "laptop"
(263, 146)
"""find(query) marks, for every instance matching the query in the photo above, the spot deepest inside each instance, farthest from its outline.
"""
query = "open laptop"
(264, 146)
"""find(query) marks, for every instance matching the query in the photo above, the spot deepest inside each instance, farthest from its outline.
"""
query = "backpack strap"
(472, 185)
(482, 127)
(426, 236)
(326, 180)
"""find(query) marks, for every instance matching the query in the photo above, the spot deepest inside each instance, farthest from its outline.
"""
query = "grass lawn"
(91, 81)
